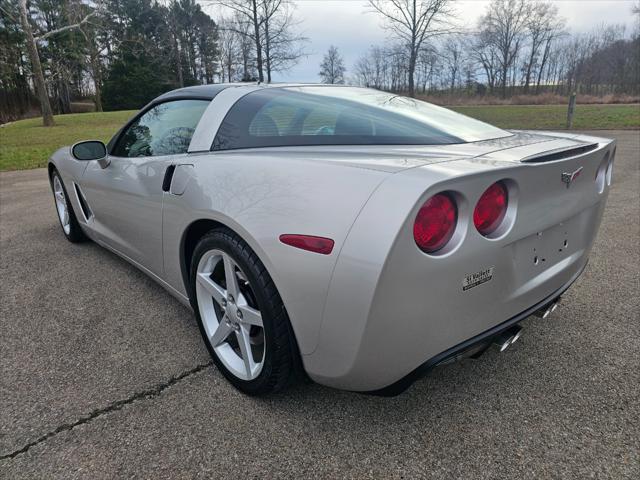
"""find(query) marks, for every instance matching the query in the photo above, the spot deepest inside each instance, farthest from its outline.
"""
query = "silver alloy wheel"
(229, 314)
(61, 204)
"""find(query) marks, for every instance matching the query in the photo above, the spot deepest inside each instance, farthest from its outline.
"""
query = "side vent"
(560, 155)
(86, 211)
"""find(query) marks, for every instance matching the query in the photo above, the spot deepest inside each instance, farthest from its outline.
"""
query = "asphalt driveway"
(104, 375)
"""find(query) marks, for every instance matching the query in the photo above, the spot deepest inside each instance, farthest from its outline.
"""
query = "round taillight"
(435, 223)
(491, 208)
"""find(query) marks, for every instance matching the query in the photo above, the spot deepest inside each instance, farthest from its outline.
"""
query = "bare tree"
(373, 69)
(251, 11)
(426, 68)
(332, 67)
(503, 28)
(244, 29)
(34, 56)
(282, 45)
(542, 26)
(486, 54)
(272, 33)
(413, 22)
(36, 66)
(230, 46)
(452, 55)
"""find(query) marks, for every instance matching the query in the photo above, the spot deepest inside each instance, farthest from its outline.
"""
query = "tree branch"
(65, 28)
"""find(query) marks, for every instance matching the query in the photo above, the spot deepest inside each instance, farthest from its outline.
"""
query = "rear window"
(293, 116)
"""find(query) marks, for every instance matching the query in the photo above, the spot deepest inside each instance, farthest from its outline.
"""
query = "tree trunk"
(505, 73)
(96, 71)
(256, 27)
(178, 61)
(527, 79)
(545, 55)
(412, 69)
(267, 50)
(64, 96)
(192, 57)
(36, 66)
(98, 97)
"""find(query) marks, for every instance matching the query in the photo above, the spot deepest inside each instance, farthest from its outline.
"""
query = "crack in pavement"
(113, 407)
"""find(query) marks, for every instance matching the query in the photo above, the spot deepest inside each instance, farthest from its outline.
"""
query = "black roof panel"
(204, 91)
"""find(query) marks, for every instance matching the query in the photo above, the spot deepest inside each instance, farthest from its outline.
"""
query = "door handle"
(168, 176)
(176, 178)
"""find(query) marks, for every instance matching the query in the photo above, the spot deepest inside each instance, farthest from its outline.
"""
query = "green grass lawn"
(554, 117)
(27, 144)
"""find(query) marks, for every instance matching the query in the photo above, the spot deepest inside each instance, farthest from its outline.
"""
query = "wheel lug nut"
(239, 314)
(231, 298)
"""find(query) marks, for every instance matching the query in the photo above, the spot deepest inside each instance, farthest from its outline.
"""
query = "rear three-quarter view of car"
(356, 237)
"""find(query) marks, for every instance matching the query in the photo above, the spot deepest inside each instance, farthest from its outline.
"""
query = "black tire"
(282, 358)
(75, 234)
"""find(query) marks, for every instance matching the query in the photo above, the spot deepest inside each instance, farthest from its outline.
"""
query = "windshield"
(317, 115)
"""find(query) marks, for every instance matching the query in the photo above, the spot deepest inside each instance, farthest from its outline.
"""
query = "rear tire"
(67, 217)
(241, 316)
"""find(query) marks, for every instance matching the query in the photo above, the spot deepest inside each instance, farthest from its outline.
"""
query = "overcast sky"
(350, 26)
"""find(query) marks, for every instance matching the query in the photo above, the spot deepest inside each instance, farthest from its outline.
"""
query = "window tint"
(166, 129)
(343, 116)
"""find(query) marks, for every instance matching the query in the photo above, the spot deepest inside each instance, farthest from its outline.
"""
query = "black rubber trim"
(404, 383)
(168, 177)
(568, 153)
(86, 211)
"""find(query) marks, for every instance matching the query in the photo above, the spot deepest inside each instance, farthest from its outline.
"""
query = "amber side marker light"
(308, 242)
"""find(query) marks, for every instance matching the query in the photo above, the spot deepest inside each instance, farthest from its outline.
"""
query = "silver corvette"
(346, 235)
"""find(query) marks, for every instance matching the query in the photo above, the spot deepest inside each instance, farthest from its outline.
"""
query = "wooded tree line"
(517, 47)
(123, 53)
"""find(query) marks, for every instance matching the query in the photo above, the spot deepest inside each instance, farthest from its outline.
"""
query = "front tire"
(68, 221)
(241, 316)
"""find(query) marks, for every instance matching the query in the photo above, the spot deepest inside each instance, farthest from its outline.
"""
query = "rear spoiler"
(560, 154)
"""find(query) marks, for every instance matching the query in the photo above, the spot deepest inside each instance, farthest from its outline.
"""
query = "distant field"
(554, 117)
(27, 144)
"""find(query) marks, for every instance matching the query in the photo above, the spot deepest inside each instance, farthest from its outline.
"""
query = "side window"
(166, 129)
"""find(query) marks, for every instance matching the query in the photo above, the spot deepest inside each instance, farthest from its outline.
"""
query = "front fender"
(69, 168)
(71, 171)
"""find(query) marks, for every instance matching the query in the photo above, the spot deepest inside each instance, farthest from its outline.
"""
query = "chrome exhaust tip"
(507, 338)
(544, 312)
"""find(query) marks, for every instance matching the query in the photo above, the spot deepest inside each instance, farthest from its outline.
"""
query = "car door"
(124, 193)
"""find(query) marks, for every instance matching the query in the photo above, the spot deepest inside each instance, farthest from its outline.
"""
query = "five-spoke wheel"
(230, 315)
(61, 204)
(68, 221)
(241, 315)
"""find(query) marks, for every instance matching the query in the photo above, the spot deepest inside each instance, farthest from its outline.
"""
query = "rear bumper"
(391, 307)
(483, 338)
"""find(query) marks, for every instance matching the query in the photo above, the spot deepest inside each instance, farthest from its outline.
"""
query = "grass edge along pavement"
(26, 144)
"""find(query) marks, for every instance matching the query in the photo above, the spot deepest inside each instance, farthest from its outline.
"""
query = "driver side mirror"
(89, 150)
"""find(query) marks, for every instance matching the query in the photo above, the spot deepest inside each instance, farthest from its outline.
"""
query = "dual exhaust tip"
(511, 335)
(544, 312)
(507, 338)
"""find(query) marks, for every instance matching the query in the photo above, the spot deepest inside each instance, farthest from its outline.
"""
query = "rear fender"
(261, 197)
